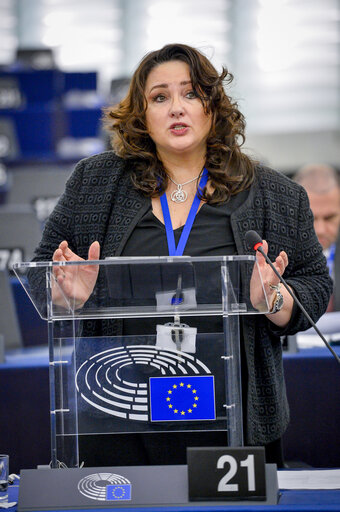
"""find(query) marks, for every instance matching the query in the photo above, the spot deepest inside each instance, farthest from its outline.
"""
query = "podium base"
(119, 487)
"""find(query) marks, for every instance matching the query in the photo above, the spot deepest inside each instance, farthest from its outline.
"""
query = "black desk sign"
(226, 473)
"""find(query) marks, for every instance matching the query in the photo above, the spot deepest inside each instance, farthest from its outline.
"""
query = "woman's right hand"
(74, 282)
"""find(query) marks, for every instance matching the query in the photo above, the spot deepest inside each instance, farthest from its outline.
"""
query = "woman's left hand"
(269, 279)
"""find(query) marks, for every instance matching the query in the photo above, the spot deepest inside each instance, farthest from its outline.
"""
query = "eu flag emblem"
(182, 398)
(118, 492)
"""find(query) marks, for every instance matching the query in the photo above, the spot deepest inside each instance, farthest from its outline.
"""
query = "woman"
(175, 122)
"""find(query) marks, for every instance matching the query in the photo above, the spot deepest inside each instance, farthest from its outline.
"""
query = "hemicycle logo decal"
(105, 487)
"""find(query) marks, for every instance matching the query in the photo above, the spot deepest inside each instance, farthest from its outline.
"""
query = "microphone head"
(252, 239)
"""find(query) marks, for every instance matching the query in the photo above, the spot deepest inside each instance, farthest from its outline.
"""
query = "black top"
(211, 233)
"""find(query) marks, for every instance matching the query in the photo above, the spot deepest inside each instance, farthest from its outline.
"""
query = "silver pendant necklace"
(180, 195)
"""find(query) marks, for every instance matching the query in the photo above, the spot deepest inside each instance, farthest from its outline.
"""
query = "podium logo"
(116, 381)
(105, 487)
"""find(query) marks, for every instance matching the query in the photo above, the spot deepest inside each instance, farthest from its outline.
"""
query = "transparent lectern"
(154, 348)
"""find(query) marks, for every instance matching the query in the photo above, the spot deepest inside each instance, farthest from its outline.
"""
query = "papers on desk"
(311, 479)
(328, 324)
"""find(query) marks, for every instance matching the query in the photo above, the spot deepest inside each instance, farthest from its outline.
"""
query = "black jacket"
(101, 204)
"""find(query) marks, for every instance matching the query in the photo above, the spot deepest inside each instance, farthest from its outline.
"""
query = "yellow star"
(181, 384)
(175, 411)
(194, 405)
(170, 406)
(189, 410)
(168, 399)
(174, 386)
(169, 392)
(182, 413)
(188, 385)
(194, 390)
(196, 397)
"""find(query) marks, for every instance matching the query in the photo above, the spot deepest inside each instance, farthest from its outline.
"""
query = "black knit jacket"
(100, 203)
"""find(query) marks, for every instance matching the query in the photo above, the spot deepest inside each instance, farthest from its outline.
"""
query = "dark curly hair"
(230, 170)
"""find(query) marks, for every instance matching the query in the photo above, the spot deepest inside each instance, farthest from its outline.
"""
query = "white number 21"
(223, 485)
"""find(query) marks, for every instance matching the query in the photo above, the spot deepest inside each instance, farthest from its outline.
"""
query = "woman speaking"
(177, 159)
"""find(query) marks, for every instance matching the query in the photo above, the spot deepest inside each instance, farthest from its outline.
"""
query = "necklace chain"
(179, 195)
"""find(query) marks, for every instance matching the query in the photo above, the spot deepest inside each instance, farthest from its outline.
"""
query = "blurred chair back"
(9, 324)
(40, 188)
(20, 233)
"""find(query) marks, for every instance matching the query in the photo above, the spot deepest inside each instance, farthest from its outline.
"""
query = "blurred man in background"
(322, 184)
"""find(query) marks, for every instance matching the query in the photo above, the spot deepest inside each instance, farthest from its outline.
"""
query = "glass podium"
(153, 347)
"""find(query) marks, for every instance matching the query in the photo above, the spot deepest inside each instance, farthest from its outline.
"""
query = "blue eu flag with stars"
(181, 398)
(118, 492)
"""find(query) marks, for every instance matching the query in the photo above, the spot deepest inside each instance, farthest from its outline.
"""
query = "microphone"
(254, 241)
(178, 297)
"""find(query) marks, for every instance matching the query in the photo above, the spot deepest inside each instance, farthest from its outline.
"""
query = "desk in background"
(313, 389)
(24, 409)
(313, 386)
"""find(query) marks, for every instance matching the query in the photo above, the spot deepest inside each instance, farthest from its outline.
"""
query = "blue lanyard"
(173, 251)
(330, 259)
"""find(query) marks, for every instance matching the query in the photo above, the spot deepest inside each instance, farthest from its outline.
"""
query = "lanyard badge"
(176, 335)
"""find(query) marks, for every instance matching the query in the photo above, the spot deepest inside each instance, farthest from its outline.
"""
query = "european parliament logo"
(105, 487)
(181, 398)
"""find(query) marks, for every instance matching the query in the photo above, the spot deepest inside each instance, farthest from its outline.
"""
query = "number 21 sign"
(226, 473)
